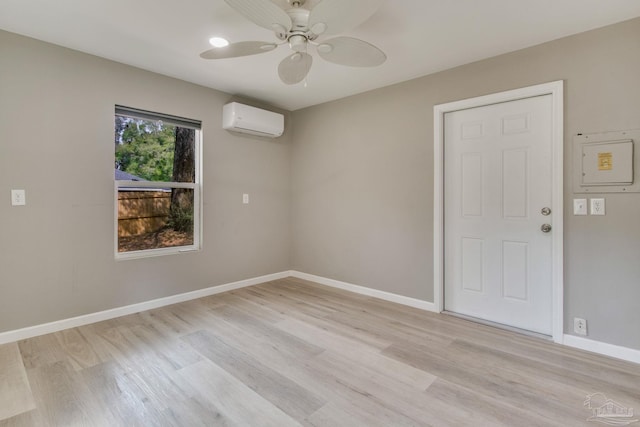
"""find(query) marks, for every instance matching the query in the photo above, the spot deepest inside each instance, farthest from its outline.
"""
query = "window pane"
(150, 218)
(159, 152)
(148, 150)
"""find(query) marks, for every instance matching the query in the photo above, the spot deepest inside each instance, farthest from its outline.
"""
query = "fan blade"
(341, 15)
(263, 13)
(238, 49)
(293, 69)
(351, 52)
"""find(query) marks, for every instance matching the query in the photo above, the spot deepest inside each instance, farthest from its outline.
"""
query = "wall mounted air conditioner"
(255, 121)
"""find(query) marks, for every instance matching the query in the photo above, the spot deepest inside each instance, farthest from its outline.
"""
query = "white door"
(497, 191)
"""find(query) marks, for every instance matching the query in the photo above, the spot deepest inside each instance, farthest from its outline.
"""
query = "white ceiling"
(420, 37)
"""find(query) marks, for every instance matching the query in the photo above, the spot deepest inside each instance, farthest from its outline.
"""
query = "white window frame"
(195, 186)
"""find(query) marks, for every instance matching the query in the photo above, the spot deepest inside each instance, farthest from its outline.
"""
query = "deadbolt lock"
(546, 211)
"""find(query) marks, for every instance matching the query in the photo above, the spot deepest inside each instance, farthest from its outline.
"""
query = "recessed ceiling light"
(218, 42)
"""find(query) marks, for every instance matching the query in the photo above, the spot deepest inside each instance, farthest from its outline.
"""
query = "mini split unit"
(254, 121)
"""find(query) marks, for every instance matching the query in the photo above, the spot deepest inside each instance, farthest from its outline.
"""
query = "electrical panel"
(606, 162)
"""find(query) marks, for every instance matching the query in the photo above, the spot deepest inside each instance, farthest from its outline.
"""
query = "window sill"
(152, 253)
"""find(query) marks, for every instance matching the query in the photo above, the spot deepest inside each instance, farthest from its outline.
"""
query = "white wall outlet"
(579, 326)
(18, 198)
(245, 199)
(597, 207)
(579, 206)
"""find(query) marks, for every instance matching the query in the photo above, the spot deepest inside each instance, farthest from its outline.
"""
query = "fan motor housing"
(299, 18)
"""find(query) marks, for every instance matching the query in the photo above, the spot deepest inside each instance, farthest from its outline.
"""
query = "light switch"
(18, 198)
(597, 207)
(579, 206)
(245, 199)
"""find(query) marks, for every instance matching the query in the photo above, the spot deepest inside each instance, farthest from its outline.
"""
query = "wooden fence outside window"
(142, 211)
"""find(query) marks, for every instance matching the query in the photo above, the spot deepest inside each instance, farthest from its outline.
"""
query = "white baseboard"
(387, 296)
(47, 328)
(600, 347)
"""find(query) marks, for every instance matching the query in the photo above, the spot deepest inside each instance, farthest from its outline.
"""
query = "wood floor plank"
(41, 351)
(331, 386)
(15, 391)
(238, 403)
(252, 306)
(80, 353)
(196, 314)
(288, 303)
(387, 331)
(552, 380)
(482, 409)
(321, 321)
(391, 393)
(25, 419)
(194, 411)
(330, 299)
(355, 351)
(168, 321)
(343, 414)
(171, 352)
(62, 398)
(284, 393)
(301, 371)
(262, 330)
(120, 394)
(146, 366)
(351, 400)
(465, 370)
(291, 352)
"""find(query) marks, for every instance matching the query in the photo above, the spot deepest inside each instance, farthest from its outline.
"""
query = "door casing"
(556, 90)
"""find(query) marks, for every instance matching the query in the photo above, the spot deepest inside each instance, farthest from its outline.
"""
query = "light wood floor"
(290, 353)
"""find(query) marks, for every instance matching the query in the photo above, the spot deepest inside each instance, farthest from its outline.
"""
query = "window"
(157, 183)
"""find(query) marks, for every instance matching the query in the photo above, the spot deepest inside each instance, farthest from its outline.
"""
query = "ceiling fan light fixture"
(298, 43)
(218, 42)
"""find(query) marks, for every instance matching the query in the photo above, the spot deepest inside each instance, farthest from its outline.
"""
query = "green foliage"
(146, 149)
(181, 219)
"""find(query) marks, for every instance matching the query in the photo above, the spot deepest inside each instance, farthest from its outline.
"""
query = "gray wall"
(56, 142)
(362, 177)
(347, 195)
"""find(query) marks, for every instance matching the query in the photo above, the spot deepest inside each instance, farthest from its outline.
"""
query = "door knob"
(545, 228)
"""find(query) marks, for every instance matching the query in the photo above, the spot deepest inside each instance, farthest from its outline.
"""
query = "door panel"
(515, 266)
(471, 185)
(515, 184)
(497, 180)
(472, 264)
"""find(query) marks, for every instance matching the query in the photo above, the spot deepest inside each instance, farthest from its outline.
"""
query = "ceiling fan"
(300, 27)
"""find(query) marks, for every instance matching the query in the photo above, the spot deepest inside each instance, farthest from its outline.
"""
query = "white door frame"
(556, 90)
